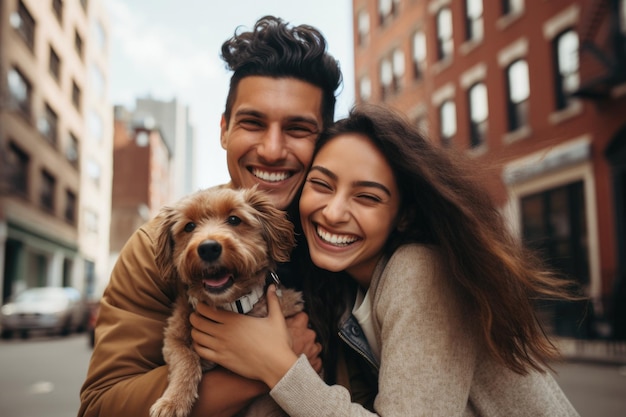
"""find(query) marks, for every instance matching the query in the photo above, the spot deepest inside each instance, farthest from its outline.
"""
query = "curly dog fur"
(218, 244)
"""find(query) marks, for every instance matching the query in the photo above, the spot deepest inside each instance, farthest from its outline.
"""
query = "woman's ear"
(404, 220)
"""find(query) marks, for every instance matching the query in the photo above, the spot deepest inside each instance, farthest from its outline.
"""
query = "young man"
(282, 93)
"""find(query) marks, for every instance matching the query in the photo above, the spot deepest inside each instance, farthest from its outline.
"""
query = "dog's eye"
(189, 227)
(233, 220)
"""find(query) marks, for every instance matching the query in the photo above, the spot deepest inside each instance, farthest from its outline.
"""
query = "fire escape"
(602, 49)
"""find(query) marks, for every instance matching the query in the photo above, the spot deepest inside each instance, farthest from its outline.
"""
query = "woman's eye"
(189, 227)
(318, 184)
(233, 220)
(370, 198)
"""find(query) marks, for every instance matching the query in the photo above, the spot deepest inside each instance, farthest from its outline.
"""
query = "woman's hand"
(256, 348)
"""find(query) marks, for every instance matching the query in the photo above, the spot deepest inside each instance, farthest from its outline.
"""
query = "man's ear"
(223, 130)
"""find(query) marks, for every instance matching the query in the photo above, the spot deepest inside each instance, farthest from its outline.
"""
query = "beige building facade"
(56, 144)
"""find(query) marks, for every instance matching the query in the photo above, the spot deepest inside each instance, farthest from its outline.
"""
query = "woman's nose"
(336, 210)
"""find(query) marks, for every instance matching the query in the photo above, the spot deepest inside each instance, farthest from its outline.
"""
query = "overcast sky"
(170, 48)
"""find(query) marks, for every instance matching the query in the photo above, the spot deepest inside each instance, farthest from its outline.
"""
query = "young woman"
(441, 301)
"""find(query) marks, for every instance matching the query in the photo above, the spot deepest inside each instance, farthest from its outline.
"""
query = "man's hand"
(303, 340)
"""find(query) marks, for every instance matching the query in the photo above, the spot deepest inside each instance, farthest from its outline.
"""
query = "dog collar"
(244, 304)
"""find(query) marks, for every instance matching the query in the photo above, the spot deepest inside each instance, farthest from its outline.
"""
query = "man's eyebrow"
(334, 177)
(249, 112)
(291, 119)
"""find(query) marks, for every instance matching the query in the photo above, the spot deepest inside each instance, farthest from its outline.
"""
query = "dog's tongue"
(216, 282)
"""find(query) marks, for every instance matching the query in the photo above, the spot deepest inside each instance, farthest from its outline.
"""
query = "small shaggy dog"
(220, 244)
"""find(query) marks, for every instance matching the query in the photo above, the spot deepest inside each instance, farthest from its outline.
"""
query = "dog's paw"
(291, 302)
(165, 407)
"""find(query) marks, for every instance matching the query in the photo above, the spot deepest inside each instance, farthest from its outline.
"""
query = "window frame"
(445, 41)
(478, 127)
(517, 110)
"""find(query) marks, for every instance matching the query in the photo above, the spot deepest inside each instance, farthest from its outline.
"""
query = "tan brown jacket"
(127, 373)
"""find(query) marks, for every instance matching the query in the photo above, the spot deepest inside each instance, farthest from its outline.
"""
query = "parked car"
(56, 310)
(94, 309)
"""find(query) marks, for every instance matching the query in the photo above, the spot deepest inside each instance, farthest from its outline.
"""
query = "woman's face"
(349, 206)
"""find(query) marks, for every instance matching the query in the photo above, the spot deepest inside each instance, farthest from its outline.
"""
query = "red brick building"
(141, 176)
(536, 89)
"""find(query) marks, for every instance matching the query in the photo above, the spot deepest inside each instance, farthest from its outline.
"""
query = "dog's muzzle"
(209, 250)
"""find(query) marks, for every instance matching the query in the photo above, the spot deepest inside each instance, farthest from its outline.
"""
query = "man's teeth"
(270, 176)
(333, 239)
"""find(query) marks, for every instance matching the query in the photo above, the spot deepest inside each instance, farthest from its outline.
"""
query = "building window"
(386, 77)
(419, 54)
(20, 90)
(478, 114)
(76, 95)
(387, 10)
(71, 152)
(46, 196)
(512, 6)
(97, 81)
(24, 23)
(48, 125)
(100, 35)
(365, 88)
(553, 224)
(17, 169)
(391, 72)
(567, 78)
(447, 122)
(518, 89)
(54, 65)
(95, 126)
(445, 44)
(94, 171)
(57, 8)
(70, 207)
(397, 63)
(78, 44)
(363, 27)
(91, 221)
(473, 20)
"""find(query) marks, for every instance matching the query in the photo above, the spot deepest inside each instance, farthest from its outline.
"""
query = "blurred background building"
(537, 91)
(56, 144)
(142, 180)
(76, 178)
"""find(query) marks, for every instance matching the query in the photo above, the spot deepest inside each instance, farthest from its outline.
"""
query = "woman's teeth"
(334, 239)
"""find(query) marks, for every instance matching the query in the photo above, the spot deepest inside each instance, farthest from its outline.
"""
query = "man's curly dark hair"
(275, 49)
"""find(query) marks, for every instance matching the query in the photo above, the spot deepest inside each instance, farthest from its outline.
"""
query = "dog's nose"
(209, 250)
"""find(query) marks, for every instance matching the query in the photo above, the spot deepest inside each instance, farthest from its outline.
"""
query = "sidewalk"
(601, 351)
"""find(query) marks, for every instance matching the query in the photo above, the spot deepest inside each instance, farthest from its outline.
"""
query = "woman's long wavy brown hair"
(447, 207)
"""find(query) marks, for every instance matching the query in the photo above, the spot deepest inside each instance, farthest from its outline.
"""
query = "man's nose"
(272, 147)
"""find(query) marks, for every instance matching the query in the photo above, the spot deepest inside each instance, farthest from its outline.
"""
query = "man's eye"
(300, 131)
(189, 227)
(233, 220)
(250, 124)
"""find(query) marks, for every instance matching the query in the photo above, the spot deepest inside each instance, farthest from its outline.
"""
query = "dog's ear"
(278, 231)
(165, 243)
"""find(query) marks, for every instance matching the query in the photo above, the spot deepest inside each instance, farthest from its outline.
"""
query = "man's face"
(269, 140)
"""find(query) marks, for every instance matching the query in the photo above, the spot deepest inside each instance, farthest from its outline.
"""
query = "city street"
(42, 377)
